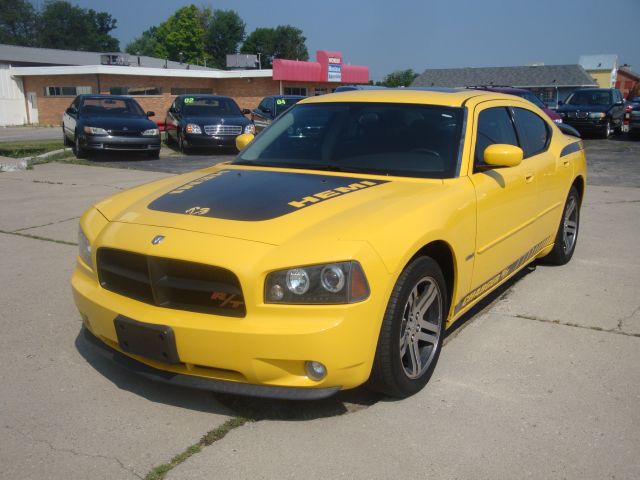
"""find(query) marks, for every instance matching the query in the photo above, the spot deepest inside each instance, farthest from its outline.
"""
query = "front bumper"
(587, 125)
(109, 142)
(208, 141)
(266, 348)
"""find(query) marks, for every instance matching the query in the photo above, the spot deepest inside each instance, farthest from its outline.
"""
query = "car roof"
(202, 95)
(104, 95)
(429, 96)
(593, 89)
(285, 96)
(499, 88)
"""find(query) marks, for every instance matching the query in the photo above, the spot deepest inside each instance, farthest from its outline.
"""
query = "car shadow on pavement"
(343, 402)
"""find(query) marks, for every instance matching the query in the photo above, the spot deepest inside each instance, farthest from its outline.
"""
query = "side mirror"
(243, 140)
(246, 111)
(503, 155)
(151, 114)
(71, 111)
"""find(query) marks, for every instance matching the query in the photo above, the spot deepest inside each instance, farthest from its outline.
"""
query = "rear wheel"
(567, 234)
(412, 330)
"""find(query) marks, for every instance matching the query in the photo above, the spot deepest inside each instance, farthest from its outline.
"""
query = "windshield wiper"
(298, 166)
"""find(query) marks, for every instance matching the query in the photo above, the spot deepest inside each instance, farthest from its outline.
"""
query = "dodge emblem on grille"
(157, 239)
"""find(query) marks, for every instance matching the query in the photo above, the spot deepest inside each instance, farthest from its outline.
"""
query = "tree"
(399, 78)
(290, 43)
(224, 34)
(181, 36)
(17, 22)
(283, 41)
(262, 41)
(145, 44)
(65, 26)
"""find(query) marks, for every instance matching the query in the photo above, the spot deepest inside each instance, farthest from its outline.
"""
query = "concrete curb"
(8, 164)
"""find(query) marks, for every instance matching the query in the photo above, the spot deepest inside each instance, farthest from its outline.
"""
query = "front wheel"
(606, 133)
(181, 144)
(412, 330)
(567, 234)
(78, 151)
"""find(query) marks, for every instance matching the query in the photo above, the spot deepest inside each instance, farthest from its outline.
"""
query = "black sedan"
(205, 121)
(272, 107)
(109, 122)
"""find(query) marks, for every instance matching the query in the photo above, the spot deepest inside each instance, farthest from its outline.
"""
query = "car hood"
(272, 206)
(584, 108)
(217, 120)
(117, 122)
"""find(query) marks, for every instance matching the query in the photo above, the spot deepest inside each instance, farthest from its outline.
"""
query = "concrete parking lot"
(543, 382)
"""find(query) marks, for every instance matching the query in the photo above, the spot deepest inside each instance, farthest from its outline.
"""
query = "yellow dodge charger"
(336, 249)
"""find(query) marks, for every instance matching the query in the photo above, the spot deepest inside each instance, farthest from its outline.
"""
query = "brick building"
(44, 81)
(628, 82)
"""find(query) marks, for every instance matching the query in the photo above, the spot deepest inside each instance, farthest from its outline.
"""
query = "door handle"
(565, 163)
(528, 177)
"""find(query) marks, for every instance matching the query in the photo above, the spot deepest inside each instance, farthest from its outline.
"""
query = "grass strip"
(30, 148)
(218, 433)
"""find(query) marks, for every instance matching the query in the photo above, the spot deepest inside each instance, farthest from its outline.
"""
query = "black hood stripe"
(255, 195)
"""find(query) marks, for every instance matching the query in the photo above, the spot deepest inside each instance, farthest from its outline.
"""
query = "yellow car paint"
(492, 224)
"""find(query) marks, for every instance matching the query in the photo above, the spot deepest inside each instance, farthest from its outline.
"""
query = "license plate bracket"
(156, 342)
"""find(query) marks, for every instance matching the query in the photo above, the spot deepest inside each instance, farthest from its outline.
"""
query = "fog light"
(276, 293)
(315, 370)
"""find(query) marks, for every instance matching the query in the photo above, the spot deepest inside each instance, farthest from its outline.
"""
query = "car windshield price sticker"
(188, 100)
(281, 101)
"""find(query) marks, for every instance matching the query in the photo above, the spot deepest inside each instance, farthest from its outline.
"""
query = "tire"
(154, 155)
(78, 151)
(181, 146)
(606, 133)
(411, 336)
(567, 234)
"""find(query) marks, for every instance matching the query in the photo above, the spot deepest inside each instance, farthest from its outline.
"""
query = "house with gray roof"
(550, 82)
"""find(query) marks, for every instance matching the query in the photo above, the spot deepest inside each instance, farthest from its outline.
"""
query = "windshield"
(590, 98)
(378, 138)
(532, 98)
(283, 104)
(111, 106)
(203, 107)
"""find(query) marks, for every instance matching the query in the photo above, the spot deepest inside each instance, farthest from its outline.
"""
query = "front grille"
(124, 133)
(222, 130)
(171, 283)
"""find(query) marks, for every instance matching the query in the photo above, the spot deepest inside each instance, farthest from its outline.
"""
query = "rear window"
(380, 138)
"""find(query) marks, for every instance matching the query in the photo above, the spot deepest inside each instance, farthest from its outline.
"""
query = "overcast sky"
(398, 34)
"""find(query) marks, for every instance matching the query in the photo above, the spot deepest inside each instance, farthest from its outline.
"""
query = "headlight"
(151, 132)
(340, 282)
(558, 120)
(84, 248)
(192, 128)
(597, 115)
(95, 131)
(251, 128)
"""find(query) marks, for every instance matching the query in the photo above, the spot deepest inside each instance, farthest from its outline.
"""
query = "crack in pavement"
(75, 452)
(44, 225)
(37, 237)
(569, 324)
(51, 182)
(628, 317)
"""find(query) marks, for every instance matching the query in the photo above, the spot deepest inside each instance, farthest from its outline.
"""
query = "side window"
(263, 104)
(533, 131)
(76, 104)
(494, 126)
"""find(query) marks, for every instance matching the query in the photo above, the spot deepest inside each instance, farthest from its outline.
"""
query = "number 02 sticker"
(188, 100)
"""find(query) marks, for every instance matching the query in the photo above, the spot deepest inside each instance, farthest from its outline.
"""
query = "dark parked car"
(526, 94)
(594, 110)
(109, 122)
(206, 121)
(272, 107)
(634, 120)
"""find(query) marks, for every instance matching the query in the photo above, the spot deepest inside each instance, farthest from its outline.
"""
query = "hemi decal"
(318, 197)
(572, 148)
(499, 277)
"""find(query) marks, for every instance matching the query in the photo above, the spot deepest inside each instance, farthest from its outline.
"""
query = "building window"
(191, 91)
(65, 91)
(295, 91)
(135, 91)
(320, 91)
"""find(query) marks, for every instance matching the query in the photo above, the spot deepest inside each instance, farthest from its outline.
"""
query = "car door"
(553, 174)
(263, 115)
(506, 201)
(172, 120)
(70, 118)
